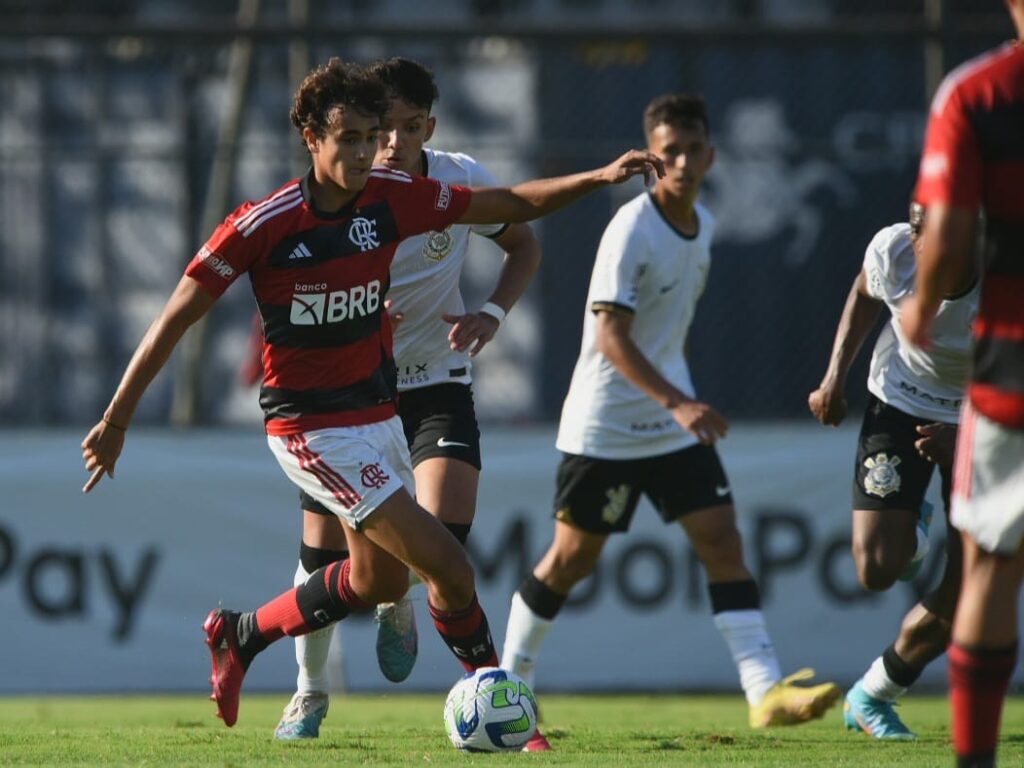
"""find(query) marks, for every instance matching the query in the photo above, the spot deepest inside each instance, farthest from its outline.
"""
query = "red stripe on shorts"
(962, 471)
(329, 478)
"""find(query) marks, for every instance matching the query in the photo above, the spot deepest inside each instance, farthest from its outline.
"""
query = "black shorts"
(439, 422)
(600, 495)
(890, 473)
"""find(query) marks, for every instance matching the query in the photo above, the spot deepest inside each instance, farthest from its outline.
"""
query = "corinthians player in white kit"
(434, 339)
(909, 427)
(632, 424)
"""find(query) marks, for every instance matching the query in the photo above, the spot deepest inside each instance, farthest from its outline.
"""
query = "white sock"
(523, 638)
(877, 683)
(747, 637)
(311, 651)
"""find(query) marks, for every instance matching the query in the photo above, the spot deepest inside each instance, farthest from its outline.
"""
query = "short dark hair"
(407, 80)
(336, 84)
(677, 109)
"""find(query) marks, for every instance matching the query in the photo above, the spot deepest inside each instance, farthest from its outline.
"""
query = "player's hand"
(916, 320)
(634, 162)
(702, 420)
(938, 443)
(100, 451)
(827, 405)
(394, 316)
(475, 328)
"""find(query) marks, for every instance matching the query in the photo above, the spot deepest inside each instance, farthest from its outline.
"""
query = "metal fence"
(112, 123)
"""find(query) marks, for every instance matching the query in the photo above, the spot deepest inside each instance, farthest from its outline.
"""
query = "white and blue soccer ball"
(490, 710)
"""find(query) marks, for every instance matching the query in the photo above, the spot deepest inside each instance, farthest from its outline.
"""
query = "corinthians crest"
(438, 245)
(882, 478)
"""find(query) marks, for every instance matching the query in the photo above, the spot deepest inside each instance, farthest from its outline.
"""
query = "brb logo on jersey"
(363, 233)
(336, 306)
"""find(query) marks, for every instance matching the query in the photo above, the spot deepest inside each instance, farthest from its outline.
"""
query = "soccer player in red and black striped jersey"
(317, 252)
(973, 161)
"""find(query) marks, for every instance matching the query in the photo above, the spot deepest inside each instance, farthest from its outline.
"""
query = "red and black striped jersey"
(974, 158)
(319, 281)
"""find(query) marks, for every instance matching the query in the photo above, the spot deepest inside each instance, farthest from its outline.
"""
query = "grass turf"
(404, 729)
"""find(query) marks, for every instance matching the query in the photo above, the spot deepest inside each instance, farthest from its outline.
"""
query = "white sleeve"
(876, 266)
(619, 267)
(479, 176)
(889, 263)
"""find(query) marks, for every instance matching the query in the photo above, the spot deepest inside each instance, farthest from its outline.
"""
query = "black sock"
(540, 598)
(460, 531)
(897, 669)
(313, 558)
(734, 596)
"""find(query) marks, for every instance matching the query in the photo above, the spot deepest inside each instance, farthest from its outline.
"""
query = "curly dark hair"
(676, 109)
(337, 84)
(407, 80)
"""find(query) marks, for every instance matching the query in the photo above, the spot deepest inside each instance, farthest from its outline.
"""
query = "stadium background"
(129, 128)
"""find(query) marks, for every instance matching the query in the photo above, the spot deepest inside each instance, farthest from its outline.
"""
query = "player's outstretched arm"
(522, 257)
(616, 344)
(102, 446)
(828, 401)
(533, 199)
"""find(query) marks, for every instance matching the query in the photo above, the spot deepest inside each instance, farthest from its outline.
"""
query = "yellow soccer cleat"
(788, 704)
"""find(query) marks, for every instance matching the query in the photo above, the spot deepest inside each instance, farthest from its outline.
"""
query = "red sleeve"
(426, 205)
(950, 170)
(226, 255)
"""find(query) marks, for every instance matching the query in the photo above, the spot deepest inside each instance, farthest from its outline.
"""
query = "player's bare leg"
(446, 488)
(570, 558)
(736, 605)
(884, 541)
(924, 636)
(983, 654)
(323, 542)
(418, 539)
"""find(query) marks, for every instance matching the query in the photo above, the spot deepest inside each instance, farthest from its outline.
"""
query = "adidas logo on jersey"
(336, 306)
(300, 252)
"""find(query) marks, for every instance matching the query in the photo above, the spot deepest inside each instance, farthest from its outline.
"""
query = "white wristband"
(493, 310)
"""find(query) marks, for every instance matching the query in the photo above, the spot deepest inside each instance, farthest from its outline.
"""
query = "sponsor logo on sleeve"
(444, 196)
(216, 263)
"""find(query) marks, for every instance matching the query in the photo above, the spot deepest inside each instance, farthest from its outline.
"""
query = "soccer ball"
(490, 710)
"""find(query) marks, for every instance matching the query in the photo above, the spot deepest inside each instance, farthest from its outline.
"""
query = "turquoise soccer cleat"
(397, 642)
(874, 717)
(302, 717)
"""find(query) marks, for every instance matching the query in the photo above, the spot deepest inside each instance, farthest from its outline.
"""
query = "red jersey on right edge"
(974, 157)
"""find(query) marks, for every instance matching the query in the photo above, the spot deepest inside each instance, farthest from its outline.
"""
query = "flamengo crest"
(363, 233)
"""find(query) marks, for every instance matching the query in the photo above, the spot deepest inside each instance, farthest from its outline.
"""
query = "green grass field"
(407, 730)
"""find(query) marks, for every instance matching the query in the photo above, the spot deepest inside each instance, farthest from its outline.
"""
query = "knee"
(877, 567)
(384, 585)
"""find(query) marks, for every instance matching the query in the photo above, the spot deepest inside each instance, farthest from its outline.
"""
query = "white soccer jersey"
(425, 284)
(926, 383)
(646, 266)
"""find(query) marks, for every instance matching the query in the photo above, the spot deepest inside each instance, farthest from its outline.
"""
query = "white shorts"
(350, 470)
(988, 483)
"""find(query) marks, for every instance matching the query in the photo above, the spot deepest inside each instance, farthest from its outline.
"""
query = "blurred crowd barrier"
(107, 592)
(112, 123)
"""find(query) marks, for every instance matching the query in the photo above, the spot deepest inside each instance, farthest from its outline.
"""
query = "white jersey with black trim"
(425, 284)
(647, 267)
(926, 383)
